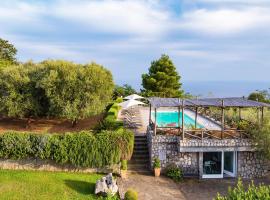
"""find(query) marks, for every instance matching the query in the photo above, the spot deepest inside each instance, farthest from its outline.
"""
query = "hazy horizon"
(215, 88)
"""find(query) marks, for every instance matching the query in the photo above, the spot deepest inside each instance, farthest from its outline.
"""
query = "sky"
(209, 41)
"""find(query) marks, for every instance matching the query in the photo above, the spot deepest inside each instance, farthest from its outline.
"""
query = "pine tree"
(162, 79)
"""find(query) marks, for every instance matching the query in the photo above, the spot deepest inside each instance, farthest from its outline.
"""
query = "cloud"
(126, 35)
(145, 19)
(122, 17)
(226, 21)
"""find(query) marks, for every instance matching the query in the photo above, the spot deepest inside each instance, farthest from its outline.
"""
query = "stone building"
(207, 152)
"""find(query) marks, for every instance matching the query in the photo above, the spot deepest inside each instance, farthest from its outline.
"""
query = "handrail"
(205, 134)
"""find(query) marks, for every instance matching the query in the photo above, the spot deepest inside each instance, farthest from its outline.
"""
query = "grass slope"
(46, 185)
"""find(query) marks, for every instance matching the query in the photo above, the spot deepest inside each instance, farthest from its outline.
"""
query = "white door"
(230, 163)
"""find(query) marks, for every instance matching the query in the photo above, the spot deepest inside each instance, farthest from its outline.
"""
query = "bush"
(261, 135)
(124, 165)
(83, 149)
(174, 173)
(113, 111)
(131, 195)
(243, 125)
(260, 192)
(15, 146)
(156, 163)
(119, 100)
(110, 121)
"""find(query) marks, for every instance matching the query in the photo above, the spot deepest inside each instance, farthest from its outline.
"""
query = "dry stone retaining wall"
(252, 164)
(47, 165)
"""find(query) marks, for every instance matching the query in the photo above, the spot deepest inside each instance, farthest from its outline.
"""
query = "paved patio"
(162, 188)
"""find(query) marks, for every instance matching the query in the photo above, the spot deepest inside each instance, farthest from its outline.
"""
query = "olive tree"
(76, 91)
(17, 97)
(7, 53)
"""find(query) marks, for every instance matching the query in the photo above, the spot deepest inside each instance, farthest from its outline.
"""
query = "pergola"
(181, 104)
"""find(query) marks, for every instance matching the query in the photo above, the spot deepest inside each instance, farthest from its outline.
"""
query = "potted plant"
(124, 169)
(157, 167)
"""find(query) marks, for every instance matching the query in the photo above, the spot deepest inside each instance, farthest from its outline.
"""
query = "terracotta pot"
(123, 173)
(157, 172)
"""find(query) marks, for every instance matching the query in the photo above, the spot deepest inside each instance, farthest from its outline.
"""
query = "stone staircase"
(139, 162)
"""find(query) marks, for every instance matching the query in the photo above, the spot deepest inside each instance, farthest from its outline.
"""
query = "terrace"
(188, 123)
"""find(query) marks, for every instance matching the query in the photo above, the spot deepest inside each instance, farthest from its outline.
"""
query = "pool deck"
(205, 122)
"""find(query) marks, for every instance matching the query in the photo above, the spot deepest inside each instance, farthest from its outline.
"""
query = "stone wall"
(166, 149)
(48, 165)
(216, 145)
(187, 154)
(251, 165)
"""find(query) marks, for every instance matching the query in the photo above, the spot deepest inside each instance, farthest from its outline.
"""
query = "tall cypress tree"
(162, 79)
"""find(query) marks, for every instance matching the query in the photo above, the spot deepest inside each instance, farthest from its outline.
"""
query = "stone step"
(140, 136)
(140, 139)
(141, 143)
(141, 152)
(138, 162)
(140, 156)
(137, 149)
(140, 146)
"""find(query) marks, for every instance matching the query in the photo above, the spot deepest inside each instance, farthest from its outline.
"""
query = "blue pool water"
(165, 119)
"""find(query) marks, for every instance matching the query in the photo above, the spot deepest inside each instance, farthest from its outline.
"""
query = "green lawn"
(46, 185)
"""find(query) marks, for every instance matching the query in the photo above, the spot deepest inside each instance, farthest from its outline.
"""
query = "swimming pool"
(170, 119)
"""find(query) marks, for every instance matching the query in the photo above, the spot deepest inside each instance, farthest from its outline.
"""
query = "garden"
(46, 185)
(63, 113)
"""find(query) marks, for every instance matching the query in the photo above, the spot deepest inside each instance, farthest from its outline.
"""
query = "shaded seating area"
(183, 105)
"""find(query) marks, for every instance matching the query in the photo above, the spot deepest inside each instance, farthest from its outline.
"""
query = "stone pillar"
(200, 165)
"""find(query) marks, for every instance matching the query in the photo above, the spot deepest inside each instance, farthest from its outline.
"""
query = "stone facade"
(187, 154)
(166, 149)
(48, 165)
(251, 164)
(215, 144)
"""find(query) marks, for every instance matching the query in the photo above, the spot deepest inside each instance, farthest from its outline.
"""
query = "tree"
(261, 136)
(162, 79)
(123, 91)
(261, 96)
(16, 92)
(7, 52)
(76, 91)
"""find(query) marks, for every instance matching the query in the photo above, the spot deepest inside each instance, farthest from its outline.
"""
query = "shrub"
(131, 195)
(156, 163)
(83, 149)
(261, 192)
(243, 125)
(110, 121)
(15, 146)
(119, 100)
(174, 173)
(113, 111)
(261, 135)
(124, 165)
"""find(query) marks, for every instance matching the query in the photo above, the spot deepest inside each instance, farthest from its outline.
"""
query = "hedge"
(83, 149)
(110, 121)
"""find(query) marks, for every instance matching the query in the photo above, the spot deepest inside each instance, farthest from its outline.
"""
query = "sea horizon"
(215, 88)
